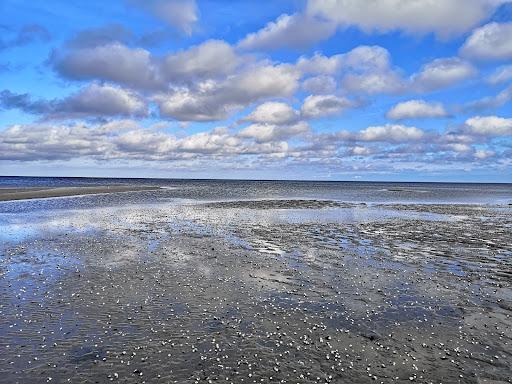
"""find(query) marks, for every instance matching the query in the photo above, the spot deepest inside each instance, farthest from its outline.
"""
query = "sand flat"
(7, 194)
(150, 287)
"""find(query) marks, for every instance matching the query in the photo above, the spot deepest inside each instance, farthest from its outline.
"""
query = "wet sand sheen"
(7, 194)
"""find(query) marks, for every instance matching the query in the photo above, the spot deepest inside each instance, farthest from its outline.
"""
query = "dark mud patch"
(282, 204)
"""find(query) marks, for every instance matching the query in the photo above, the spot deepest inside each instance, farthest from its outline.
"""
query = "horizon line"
(258, 180)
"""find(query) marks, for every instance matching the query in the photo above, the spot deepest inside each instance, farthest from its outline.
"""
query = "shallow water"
(223, 190)
(145, 287)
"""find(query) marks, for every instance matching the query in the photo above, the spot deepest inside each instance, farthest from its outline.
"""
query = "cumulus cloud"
(441, 73)
(414, 109)
(275, 144)
(273, 112)
(316, 106)
(367, 57)
(138, 68)
(144, 142)
(492, 126)
(360, 151)
(94, 100)
(319, 64)
(210, 59)
(493, 41)
(391, 133)
(101, 100)
(458, 147)
(24, 102)
(215, 100)
(182, 14)
(184, 105)
(125, 139)
(216, 141)
(47, 142)
(319, 84)
(364, 69)
(373, 83)
(295, 31)
(483, 154)
(369, 70)
(274, 132)
(412, 16)
(111, 62)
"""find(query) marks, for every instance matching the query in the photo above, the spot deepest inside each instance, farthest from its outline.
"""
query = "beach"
(243, 282)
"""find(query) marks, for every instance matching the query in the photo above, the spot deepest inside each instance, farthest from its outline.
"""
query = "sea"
(175, 190)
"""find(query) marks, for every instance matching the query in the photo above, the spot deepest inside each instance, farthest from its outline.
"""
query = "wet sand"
(246, 293)
(7, 194)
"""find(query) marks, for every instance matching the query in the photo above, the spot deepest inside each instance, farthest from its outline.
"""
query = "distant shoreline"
(9, 194)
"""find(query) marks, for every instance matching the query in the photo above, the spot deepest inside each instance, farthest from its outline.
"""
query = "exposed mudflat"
(284, 291)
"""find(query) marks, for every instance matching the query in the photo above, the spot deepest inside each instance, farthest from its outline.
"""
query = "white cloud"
(145, 142)
(103, 100)
(364, 69)
(295, 31)
(493, 41)
(441, 73)
(367, 57)
(216, 141)
(458, 147)
(320, 84)
(391, 133)
(94, 100)
(414, 109)
(138, 68)
(316, 106)
(254, 147)
(48, 142)
(496, 101)
(369, 70)
(184, 105)
(182, 14)
(210, 59)
(489, 126)
(501, 75)
(373, 83)
(360, 151)
(268, 80)
(126, 139)
(113, 62)
(319, 64)
(273, 113)
(215, 100)
(483, 154)
(273, 132)
(446, 18)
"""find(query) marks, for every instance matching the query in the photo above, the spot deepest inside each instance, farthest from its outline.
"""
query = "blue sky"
(325, 89)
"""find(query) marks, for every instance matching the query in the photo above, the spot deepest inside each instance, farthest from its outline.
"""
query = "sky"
(397, 90)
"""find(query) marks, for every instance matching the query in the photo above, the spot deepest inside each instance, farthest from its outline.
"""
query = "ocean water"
(221, 190)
